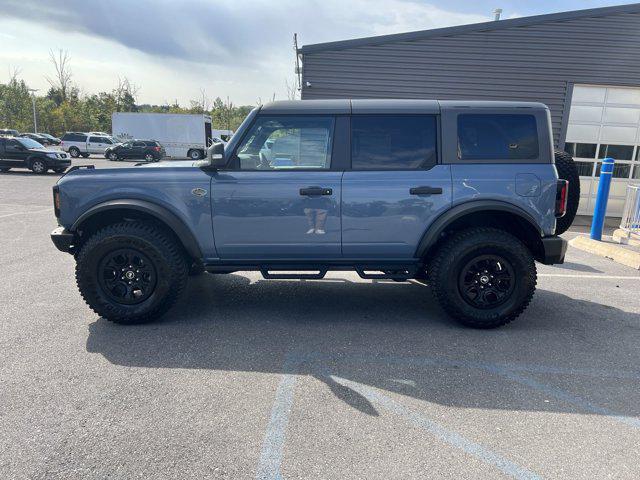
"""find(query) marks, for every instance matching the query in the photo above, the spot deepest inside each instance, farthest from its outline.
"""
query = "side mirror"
(215, 155)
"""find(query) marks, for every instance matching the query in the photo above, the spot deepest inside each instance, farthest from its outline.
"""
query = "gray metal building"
(585, 65)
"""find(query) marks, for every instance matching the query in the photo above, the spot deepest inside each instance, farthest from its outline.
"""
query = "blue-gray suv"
(465, 196)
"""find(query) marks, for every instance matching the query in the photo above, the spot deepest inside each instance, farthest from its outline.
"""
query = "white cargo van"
(182, 135)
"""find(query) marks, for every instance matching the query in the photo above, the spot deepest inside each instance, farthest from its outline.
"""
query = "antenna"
(497, 12)
(298, 69)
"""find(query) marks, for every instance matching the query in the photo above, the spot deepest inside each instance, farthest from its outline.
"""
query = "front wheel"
(131, 272)
(113, 156)
(38, 166)
(483, 277)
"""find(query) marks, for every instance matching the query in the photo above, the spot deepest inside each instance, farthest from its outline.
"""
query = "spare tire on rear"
(567, 171)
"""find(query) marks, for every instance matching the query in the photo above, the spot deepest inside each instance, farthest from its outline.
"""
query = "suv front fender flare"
(171, 220)
(439, 226)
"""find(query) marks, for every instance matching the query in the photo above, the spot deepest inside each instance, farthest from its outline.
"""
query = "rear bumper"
(553, 250)
(63, 239)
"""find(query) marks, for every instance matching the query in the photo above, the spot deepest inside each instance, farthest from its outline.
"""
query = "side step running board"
(267, 274)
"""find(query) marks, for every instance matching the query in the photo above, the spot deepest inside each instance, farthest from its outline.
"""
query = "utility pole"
(33, 102)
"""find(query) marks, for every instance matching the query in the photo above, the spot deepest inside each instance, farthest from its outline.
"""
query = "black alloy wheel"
(127, 276)
(486, 281)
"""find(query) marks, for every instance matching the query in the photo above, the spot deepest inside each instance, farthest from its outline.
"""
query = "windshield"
(29, 143)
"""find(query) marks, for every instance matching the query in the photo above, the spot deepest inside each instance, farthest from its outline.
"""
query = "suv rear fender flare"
(439, 226)
(162, 214)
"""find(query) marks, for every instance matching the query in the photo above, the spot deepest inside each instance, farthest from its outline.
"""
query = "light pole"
(33, 102)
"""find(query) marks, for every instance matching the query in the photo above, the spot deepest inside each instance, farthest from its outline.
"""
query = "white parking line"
(605, 277)
(26, 213)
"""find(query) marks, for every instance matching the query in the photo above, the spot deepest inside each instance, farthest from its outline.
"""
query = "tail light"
(157, 149)
(562, 193)
(56, 201)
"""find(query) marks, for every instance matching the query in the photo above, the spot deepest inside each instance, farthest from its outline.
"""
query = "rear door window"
(497, 137)
(393, 142)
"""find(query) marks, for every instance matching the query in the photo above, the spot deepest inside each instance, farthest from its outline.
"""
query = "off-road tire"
(446, 266)
(166, 255)
(38, 166)
(567, 171)
(74, 152)
(196, 268)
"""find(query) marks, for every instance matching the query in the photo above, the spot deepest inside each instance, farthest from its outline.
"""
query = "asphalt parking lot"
(334, 379)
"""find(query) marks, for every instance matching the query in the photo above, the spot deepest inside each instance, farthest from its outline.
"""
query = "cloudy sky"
(171, 49)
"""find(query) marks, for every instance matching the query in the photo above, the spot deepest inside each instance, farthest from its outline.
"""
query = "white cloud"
(172, 49)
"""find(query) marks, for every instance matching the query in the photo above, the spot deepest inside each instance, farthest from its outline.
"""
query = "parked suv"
(463, 194)
(83, 144)
(149, 150)
(27, 153)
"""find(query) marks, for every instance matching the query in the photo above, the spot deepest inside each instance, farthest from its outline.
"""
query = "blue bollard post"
(606, 172)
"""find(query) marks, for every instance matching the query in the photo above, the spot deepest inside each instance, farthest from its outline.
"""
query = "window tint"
(152, 144)
(393, 142)
(581, 150)
(617, 152)
(139, 144)
(95, 140)
(287, 142)
(74, 137)
(497, 137)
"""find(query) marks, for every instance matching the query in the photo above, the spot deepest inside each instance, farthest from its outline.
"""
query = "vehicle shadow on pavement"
(561, 355)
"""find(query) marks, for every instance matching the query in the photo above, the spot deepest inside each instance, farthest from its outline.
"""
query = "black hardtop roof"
(385, 106)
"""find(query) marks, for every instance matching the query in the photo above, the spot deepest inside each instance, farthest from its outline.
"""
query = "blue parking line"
(452, 438)
(273, 444)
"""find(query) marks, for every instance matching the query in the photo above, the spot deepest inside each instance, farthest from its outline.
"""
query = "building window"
(497, 137)
(581, 150)
(620, 170)
(617, 152)
(585, 169)
(393, 142)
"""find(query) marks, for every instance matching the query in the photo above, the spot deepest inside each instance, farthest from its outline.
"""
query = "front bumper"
(553, 250)
(63, 239)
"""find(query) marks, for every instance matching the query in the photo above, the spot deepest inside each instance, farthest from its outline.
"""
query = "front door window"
(287, 143)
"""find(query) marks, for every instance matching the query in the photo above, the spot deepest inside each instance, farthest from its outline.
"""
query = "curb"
(625, 238)
(609, 250)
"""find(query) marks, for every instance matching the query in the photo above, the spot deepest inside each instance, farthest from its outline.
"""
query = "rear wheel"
(131, 272)
(195, 154)
(149, 157)
(567, 171)
(483, 277)
(38, 166)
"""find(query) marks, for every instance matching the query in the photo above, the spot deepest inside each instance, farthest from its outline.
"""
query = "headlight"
(52, 155)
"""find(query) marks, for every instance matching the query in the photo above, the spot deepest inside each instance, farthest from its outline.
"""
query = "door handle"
(425, 190)
(313, 191)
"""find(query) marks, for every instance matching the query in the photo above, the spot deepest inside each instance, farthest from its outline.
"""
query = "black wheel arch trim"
(433, 232)
(164, 215)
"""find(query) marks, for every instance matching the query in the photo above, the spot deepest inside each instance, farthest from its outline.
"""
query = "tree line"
(64, 108)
